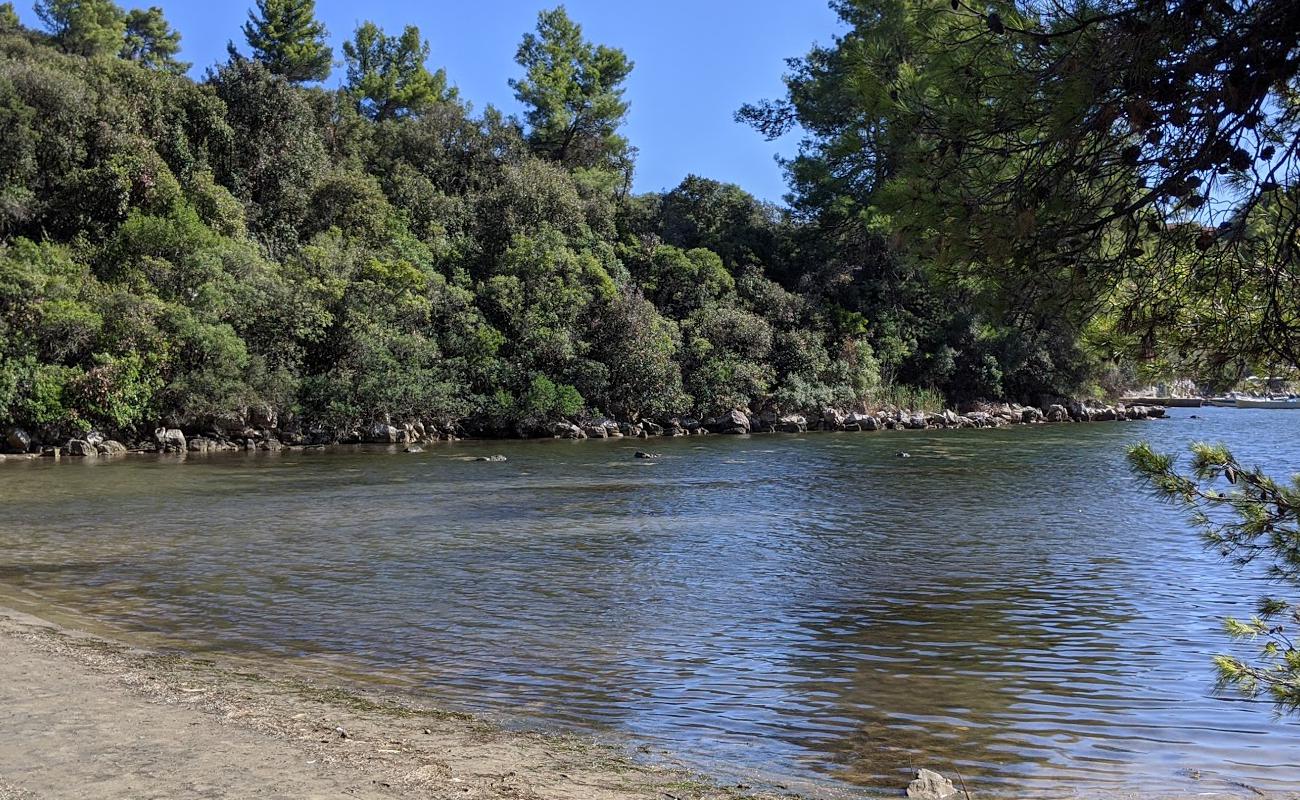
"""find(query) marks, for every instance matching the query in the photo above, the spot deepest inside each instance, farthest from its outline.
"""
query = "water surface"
(811, 609)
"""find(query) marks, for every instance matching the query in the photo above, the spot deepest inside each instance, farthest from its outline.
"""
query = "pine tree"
(84, 27)
(151, 41)
(286, 36)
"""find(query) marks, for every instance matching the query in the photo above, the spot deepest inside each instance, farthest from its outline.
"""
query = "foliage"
(286, 36)
(84, 27)
(387, 76)
(150, 40)
(1252, 519)
(573, 93)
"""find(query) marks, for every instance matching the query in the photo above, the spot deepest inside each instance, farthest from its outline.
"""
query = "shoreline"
(412, 437)
(88, 712)
(84, 712)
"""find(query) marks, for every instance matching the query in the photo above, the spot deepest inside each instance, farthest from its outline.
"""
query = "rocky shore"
(263, 428)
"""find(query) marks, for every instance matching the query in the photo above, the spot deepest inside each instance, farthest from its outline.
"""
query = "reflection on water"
(1004, 603)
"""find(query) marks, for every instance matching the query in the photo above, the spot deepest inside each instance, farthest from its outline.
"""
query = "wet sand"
(82, 716)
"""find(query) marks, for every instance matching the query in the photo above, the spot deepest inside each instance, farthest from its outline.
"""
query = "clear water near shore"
(1005, 603)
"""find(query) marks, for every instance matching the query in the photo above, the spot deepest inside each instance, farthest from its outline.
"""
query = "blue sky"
(697, 61)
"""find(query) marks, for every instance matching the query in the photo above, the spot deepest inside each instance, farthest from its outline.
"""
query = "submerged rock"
(492, 459)
(414, 448)
(930, 785)
(643, 454)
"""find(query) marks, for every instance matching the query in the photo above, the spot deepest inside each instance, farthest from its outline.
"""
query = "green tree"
(9, 21)
(152, 41)
(286, 36)
(387, 76)
(1250, 518)
(84, 27)
(573, 92)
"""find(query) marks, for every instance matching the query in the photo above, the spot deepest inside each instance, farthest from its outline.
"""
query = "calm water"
(809, 608)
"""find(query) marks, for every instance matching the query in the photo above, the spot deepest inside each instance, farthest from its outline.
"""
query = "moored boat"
(1268, 402)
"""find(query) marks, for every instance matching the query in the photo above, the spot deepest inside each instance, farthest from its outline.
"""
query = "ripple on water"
(1006, 603)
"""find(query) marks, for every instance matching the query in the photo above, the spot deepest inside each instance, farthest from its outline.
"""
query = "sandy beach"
(86, 717)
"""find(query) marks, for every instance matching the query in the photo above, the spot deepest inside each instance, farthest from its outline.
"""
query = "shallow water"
(1007, 604)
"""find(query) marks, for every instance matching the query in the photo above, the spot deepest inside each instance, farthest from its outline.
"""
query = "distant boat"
(1268, 402)
(1222, 402)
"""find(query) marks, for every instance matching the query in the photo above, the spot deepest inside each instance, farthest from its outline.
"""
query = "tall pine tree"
(286, 36)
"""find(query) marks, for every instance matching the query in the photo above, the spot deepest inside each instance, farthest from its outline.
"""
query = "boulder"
(733, 422)
(567, 430)
(930, 785)
(272, 444)
(1105, 414)
(200, 444)
(792, 423)
(18, 440)
(381, 433)
(832, 419)
(950, 417)
(652, 428)
(915, 422)
(643, 454)
(109, 447)
(630, 429)
(595, 431)
(1155, 412)
(1057, 413)
(171, 440)
(81, 447)
(1030, 416)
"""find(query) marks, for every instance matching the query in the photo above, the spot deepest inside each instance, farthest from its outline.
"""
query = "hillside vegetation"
(172, 250)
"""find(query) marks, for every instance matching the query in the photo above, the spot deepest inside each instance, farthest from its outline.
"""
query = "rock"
(18, 440)
(200, 444)
(901, 454)
(263, 417)
(733, 422)
(792, 423)
(171, 440)
(930, 785)
(867, 422)
(272, 444)
(109, 447)
(1156, 412)
(567, 430)
(628, 429)
(643, 454)
(950, 417)
(915, 422)
(1057, 413)
(832, 419)
(595, 431)
(1030, 416)
(491, 459)
(652, 428)
(381, 433)
(81, 447)
(94, 438)
(414, 448)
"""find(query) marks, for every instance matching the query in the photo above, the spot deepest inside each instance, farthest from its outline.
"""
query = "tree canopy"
(388, 76)
(573, 92)
(286, 36)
